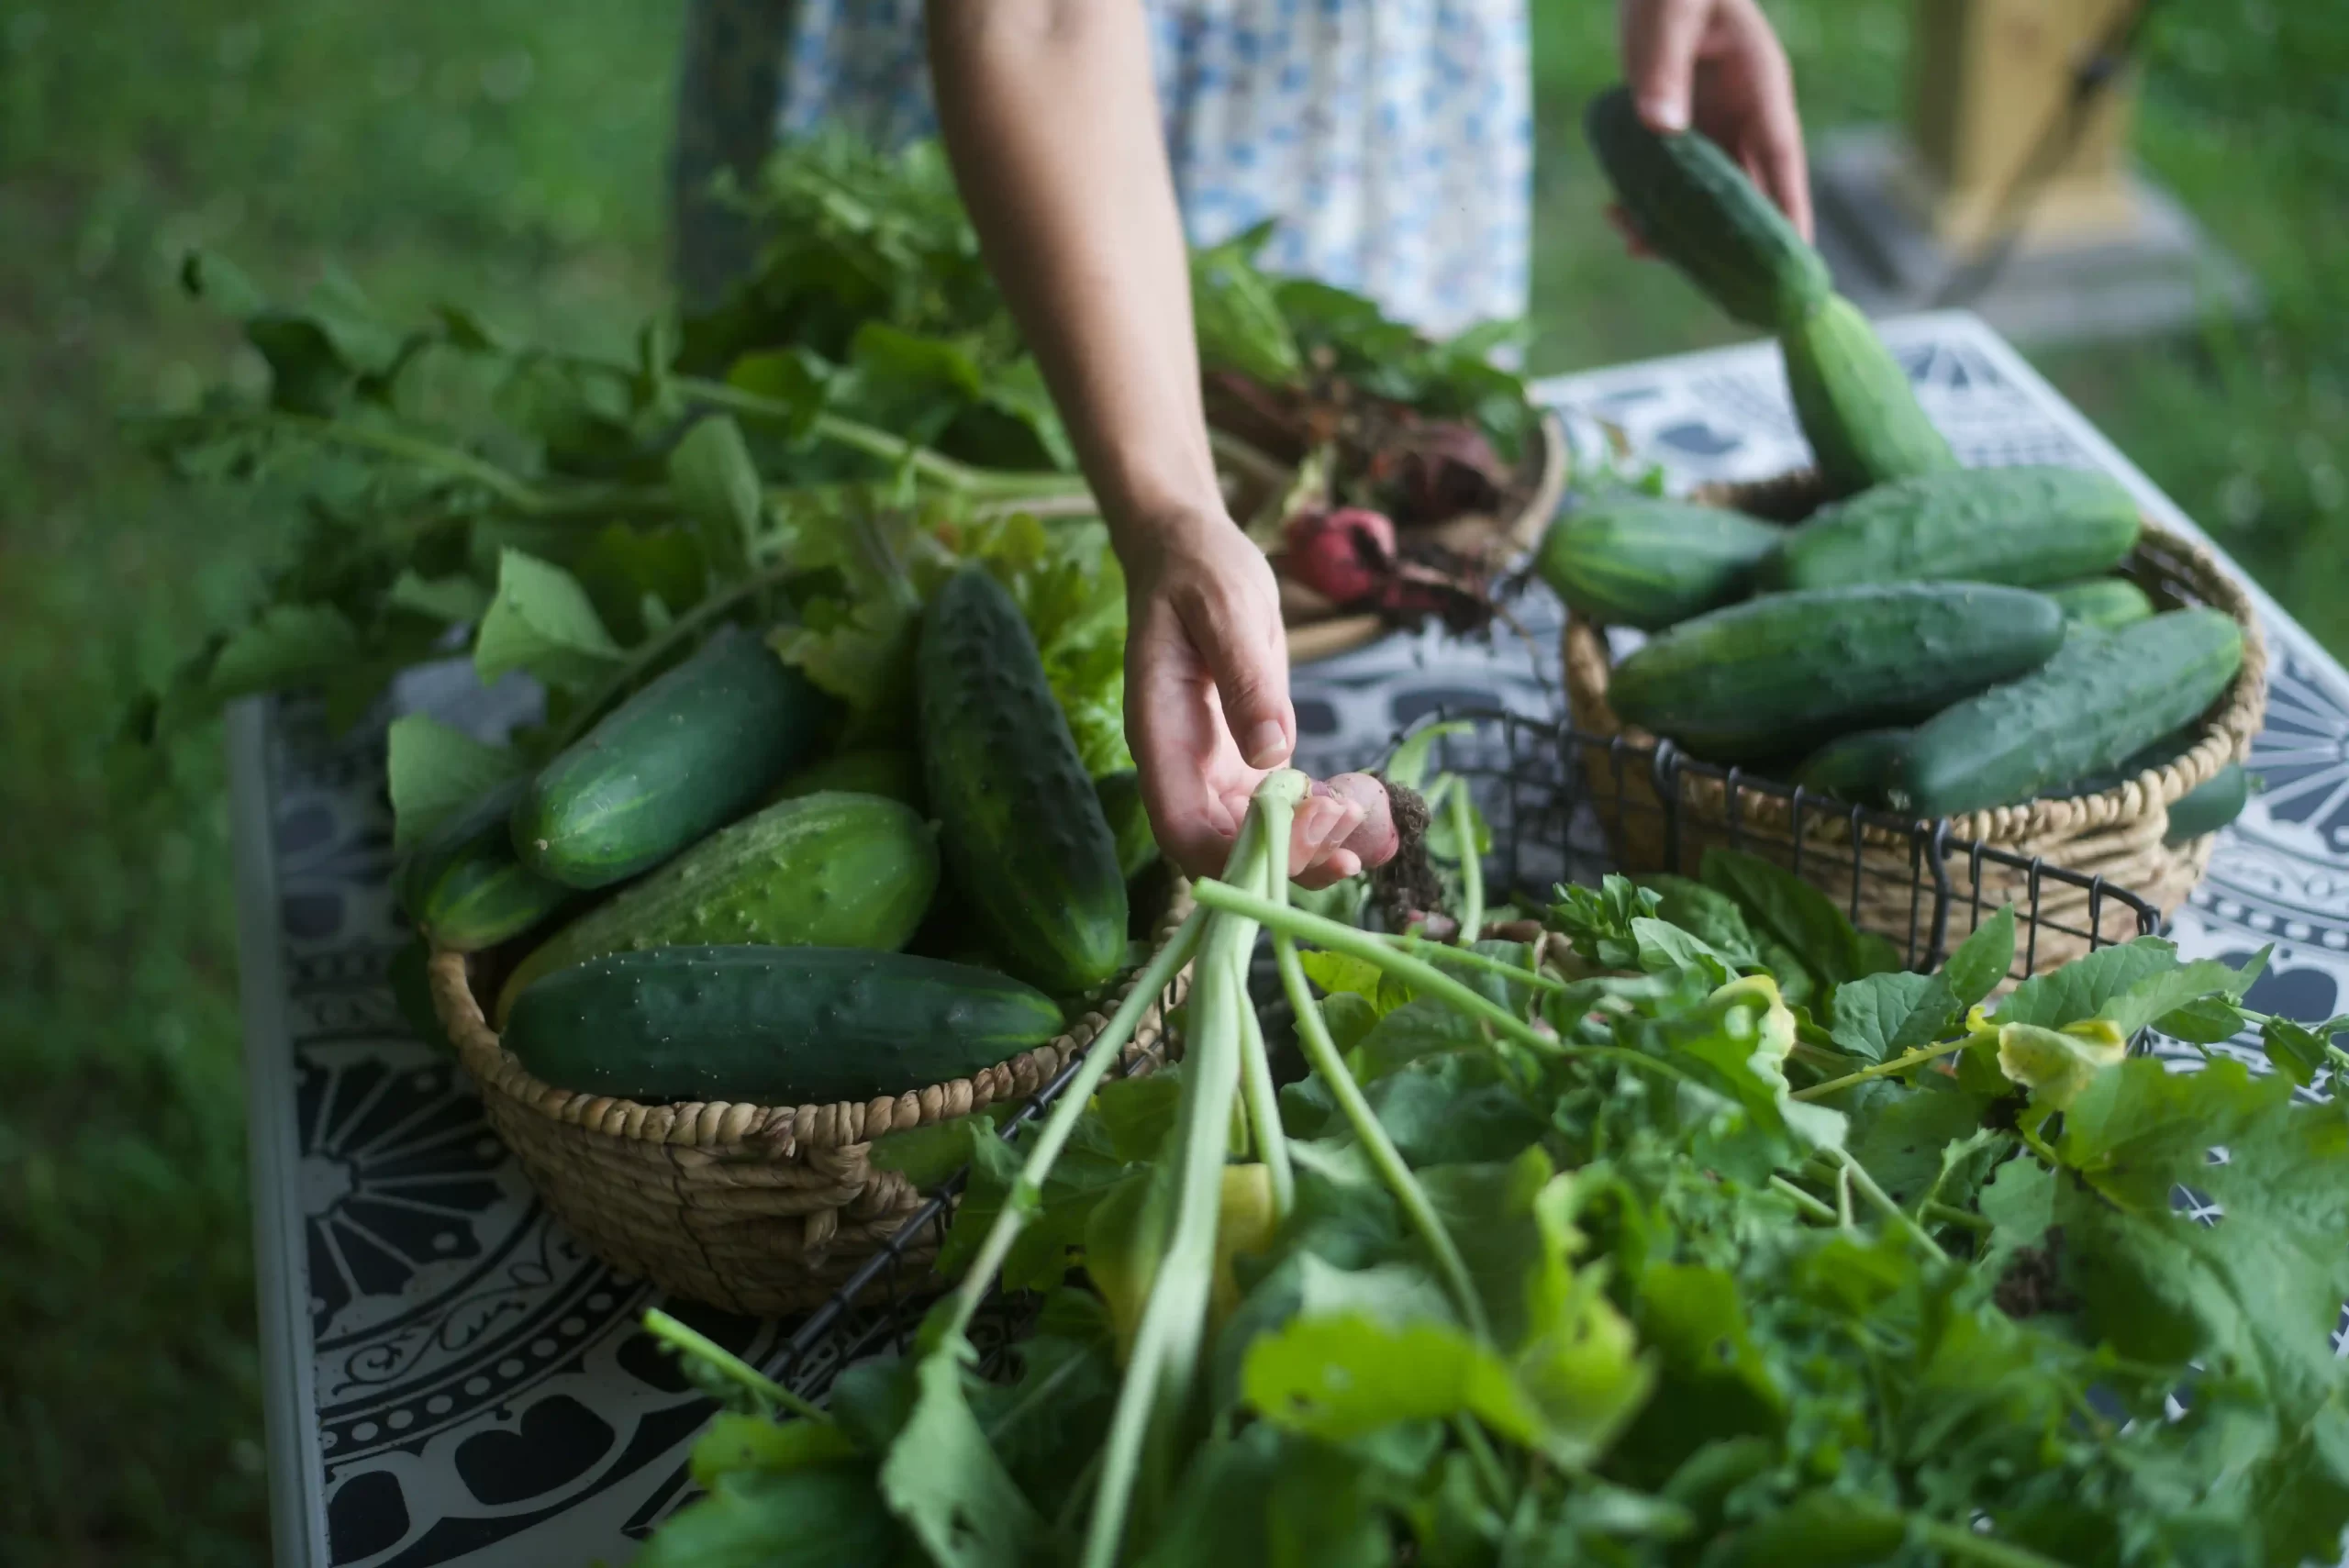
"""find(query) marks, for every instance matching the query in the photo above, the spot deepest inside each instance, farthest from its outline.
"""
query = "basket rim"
(1540, 480)
(2223, 737)
(789, 1131)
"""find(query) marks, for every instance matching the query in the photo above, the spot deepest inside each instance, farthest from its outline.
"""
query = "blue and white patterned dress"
(1392, 139)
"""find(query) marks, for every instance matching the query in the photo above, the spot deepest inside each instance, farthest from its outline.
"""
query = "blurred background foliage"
(513, 156)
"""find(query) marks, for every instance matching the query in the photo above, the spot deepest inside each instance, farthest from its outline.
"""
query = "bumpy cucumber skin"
(891, 772)
(771, 1026)
(2105, 603)
(2102, 697)
(1696, 207)
(1121, 796)
(1854, 402)
(693, 751)
(1648, 564)
(2210, 806)
(2023, 526)
(1790, 670)
(1859, 768)
(463, 884)
(1026, 842)
(829, 870)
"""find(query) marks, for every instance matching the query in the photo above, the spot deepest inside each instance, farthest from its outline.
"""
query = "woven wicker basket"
(1319, 629)
(758, 1210)
(2116, 835)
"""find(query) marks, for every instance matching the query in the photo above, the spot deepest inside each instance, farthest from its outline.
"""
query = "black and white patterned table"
(452, 1381)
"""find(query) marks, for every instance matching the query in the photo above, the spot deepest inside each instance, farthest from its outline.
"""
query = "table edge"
(289, 1407)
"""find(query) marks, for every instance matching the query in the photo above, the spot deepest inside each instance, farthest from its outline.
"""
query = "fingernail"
(1665, 114)
(1266, 745)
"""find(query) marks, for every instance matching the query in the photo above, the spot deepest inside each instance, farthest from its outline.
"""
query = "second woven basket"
(757, 1210)
(2117, 835)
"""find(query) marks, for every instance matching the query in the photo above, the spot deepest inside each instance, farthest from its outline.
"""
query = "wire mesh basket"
(1531, 780)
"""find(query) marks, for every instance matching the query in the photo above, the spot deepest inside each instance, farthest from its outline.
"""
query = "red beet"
(1346, 556)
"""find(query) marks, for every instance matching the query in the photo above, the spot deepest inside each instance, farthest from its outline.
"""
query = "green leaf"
(1881, 1016)
(1785, 906)
(290, 646)
(1981, 960)
(1268, 1499)
(1344, 1377)
(716, 482)
(1339, 975)
(434, 770)
(1597, 920)
(792, 376)
(640, 579)
(944, 1482)
(2255, 1296)
(543, 622)
(1818, 1529)
(1901, 1137)
(2158, 994)
(455, 599)
(736, 1442)
(810, 1517)
(2297, 1051)
(2081, 988)
(2206, 1022)
(1663, 949)
(1711, 915)
(1237, 316)
(2020, 1203)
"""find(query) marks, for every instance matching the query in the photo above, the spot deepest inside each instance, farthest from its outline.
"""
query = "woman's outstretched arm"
(1050, 118)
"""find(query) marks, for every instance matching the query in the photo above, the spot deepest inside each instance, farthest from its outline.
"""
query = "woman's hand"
(1207, 698)
(1717, 66)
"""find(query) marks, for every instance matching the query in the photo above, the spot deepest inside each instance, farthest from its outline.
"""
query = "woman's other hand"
(1715, 64)
(1208, 709)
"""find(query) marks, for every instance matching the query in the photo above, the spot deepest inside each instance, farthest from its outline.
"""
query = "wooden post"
(1989, 80)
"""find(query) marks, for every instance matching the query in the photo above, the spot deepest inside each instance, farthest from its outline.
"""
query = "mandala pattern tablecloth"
(453, 1381)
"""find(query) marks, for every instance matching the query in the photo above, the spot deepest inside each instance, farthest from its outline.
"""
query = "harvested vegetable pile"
(1602, 1249)
(1933, 641)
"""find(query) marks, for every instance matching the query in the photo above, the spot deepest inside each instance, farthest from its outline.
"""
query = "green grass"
(511, 155)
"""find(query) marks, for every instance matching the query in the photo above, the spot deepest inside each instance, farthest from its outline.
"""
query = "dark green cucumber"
(2024, 526)
(771, 1026)
(830, 870)
(690, 753)
(1692, 202)
(465, 887)
(2102, 602)
(1854, 402)
(1790, 670)
(891, 772)
(1121, 796)
(1647, 563)
(1026, 841)
(2213, 805)
(1859, 768)
(2103, 695)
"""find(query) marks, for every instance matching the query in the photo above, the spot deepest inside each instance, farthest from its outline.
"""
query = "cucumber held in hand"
(1026, 841)
(463, 884)
(1647, 563)
(771, 1026)
(2102, 602)
(1691, 201)
(1854, 402)
(828, 870)
(2024, 526)
(2103, 695)
(1787, 671)
(690, 753)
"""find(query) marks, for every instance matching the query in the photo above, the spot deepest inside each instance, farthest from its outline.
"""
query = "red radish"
(1346, 556)
(1375, 840)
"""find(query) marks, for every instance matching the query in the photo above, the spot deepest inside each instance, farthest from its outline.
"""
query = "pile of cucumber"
(1936, 645)
(1935, 641)
(736, 900)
